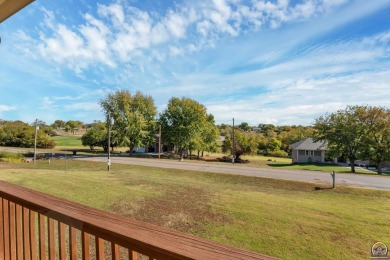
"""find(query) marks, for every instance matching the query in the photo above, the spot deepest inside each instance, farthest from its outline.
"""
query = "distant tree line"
(357, 132)
(263, 139)
(186, 127)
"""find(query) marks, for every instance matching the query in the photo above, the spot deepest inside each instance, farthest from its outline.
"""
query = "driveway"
(357, 180)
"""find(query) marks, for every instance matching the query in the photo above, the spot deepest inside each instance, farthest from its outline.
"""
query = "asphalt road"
(357, 180)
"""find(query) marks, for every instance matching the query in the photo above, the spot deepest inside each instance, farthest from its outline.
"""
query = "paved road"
(359, 180)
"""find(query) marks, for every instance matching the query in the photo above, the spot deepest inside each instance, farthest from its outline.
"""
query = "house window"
(311, 153)
(307, 152)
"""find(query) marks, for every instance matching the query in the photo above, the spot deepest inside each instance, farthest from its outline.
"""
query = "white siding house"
(307, 151)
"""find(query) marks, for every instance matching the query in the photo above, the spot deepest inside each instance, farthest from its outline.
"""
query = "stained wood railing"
(36, 225)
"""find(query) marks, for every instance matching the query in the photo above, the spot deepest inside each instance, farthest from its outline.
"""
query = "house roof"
(10, 7)
(309, 144)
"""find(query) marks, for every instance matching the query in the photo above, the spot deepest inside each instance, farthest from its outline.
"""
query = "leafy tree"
(267, 129)
(245, 143)
(344, 132)
(20, 134)
(133, 117)
(58, 124)
(244, 126)
(207, 138)
(182, 122)
(95, 136)
(377, 137)
(72, 125)
(274, 144)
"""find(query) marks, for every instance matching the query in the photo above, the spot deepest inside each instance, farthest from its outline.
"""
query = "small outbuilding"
(308, 151)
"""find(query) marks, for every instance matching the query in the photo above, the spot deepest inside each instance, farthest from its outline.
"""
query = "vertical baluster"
(73, 243)
(6, 229)
(1, 230)
(19, 232)
(33, 236)
(62, 240)
(85, 245)
(52, 246)
(99, 248)
(42, 237)
(115, 251)
(133, 255)
(12, 230)
(26, 236)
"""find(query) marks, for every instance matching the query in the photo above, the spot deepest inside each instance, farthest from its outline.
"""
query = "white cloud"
(6, 108)
(121, 33)
(84, 106)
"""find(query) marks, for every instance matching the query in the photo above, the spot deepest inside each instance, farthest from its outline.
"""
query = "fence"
(36, 225)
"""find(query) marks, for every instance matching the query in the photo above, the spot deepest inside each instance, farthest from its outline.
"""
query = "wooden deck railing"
(35, 225)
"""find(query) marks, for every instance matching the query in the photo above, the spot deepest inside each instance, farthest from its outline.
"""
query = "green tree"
(245, 143)
(20, 134)
(344, 132)
(73, 125)
(95, 136)
(208, 136)
(58, 124)
(377, 137)
(133, 118)
(182, 122)
(244, 126)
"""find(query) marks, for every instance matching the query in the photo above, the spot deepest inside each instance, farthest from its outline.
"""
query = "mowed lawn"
(68, 141)
(285, 219)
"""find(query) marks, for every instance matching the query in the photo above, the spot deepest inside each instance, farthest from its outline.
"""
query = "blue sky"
(280, 62)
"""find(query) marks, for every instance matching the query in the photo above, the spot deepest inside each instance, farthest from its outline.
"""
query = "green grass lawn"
(68, 141)
(289, 220)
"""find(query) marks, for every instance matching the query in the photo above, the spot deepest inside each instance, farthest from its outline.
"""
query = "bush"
(11, 157)
(278, 153)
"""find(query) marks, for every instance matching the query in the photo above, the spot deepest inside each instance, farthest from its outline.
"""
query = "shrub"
(278, 153)
(11, 157)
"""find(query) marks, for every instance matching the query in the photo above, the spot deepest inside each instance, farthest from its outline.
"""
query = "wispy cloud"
(83, 106)
(119, 33)
(5, 108)
(260, 61)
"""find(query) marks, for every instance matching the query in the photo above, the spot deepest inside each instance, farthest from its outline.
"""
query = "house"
(307, 151)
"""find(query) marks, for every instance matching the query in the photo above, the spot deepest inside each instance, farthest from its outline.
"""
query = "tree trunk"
(202, 153)
(131, 151)
(198, 154)
(181, 153)
(379, 169)
(352, 161)
(190, 154)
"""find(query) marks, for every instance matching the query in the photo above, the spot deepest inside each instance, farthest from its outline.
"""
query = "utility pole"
(35, 140)
(159, 141)
(233, 144)
(109, 142)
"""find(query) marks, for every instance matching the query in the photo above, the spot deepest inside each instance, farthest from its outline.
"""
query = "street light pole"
(109, 142)
(35, 140)
(159, 141)
(233, 144)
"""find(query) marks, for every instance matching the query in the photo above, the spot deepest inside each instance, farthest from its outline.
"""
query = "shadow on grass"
(304, 166)
(323, 188)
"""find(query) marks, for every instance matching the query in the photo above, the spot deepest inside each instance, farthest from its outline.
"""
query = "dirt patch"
(184, 209)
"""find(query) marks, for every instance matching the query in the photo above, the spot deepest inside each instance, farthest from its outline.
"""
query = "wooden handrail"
(39, 221)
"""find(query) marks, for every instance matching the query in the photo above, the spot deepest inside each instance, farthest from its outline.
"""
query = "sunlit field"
(286, 219)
